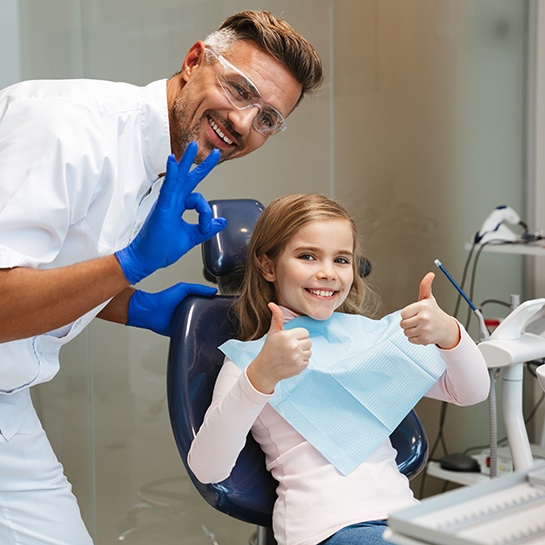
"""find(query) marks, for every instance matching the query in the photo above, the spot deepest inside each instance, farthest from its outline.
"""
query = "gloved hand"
(154, 311)
(165, 236)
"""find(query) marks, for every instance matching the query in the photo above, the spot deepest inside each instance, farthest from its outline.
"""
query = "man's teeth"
(219, 133)
(322, 293)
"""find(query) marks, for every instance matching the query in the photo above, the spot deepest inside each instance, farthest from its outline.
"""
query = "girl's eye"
(342, 261)
(306, 257)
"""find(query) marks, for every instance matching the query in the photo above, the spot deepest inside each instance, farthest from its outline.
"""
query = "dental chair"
(201, 325)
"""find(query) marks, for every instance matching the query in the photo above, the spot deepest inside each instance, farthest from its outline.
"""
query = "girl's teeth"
(322, 293)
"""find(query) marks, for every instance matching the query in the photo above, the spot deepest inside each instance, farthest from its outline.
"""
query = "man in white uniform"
(81, 166)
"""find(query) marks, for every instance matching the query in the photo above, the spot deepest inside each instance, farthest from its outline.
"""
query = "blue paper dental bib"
(363, 378)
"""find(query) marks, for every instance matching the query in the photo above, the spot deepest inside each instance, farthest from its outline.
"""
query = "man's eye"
(238, 92)
(267, 120)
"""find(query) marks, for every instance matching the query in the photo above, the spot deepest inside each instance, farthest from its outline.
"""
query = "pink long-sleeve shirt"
(314, 499)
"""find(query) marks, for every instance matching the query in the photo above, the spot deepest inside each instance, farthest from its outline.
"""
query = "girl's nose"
(327, 272)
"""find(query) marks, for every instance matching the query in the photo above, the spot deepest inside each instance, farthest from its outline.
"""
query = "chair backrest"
(201, 325)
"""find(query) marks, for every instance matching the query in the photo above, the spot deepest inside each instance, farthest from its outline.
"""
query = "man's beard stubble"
(180, 138)
(182, 133)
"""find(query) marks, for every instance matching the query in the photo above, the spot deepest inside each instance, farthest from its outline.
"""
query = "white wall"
(536, 169)
(536, 166)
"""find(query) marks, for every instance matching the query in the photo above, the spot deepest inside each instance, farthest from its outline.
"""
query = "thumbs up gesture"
(284, 354)
(424, 322)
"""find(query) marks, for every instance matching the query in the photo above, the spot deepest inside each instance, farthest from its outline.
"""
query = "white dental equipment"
(505, 511)
(509, 510)
(494, 228)
(508, 348)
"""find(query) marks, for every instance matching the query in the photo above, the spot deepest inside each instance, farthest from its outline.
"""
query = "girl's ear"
(267, 268)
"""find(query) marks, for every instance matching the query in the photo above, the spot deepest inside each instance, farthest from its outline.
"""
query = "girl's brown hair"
(274, 228)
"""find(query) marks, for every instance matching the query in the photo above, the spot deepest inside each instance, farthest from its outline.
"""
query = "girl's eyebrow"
(307, 248)
(320, 249)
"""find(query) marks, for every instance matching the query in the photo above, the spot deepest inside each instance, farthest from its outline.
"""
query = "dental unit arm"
(508, 348)
(494, 228)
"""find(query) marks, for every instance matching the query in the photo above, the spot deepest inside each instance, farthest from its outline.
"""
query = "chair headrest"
(224, 255)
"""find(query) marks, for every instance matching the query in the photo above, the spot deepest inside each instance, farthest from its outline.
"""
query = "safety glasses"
(243, 94)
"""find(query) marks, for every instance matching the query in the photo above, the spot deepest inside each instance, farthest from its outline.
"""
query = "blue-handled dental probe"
(484, 334)
(455, 284)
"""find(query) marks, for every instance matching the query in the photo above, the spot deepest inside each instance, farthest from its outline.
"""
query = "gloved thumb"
(198, 289)
(277, 318)
(214, 227)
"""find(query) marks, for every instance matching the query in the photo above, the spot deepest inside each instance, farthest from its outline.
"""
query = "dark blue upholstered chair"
(202, 324)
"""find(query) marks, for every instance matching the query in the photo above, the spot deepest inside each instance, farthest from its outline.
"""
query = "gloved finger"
(195, 201)
(168, 189)
(218, 224)
(188, 157)
(190, 179)
(172, 184)
(194, 236)
(179, 180)
(203, 169)
(199, 289)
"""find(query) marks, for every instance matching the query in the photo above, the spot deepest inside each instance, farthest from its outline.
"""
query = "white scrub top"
(79, 171)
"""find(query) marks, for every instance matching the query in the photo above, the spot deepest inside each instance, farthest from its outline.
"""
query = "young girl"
(303, 261)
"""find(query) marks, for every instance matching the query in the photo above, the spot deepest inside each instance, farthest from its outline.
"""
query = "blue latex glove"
(155, 311)
(165, 236)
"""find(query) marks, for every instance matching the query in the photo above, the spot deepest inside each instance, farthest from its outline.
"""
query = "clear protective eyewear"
(243, 94)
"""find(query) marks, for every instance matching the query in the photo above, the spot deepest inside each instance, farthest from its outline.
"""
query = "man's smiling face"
(201, 111)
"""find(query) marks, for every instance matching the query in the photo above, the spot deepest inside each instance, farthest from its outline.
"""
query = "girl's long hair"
(274, 228)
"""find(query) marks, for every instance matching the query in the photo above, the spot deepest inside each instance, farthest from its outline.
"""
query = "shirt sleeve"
(49, 171)
(235, 407)
(466, 380)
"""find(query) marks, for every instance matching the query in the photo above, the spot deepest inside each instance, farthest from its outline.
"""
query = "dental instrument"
(494, 228)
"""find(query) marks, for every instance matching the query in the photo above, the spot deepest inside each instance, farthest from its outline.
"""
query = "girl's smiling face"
(313, 275)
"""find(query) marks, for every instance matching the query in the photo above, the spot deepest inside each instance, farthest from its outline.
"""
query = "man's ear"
(267, 268)
(193, 60)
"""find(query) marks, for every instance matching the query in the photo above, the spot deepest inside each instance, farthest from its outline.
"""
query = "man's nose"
(243, 119)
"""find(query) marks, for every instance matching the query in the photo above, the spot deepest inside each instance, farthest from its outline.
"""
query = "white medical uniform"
(79, 171)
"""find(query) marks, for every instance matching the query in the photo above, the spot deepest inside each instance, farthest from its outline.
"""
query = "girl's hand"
(425, 322)
(284, 354)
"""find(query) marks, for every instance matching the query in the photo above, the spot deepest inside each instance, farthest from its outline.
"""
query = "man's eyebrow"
(247, 84)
